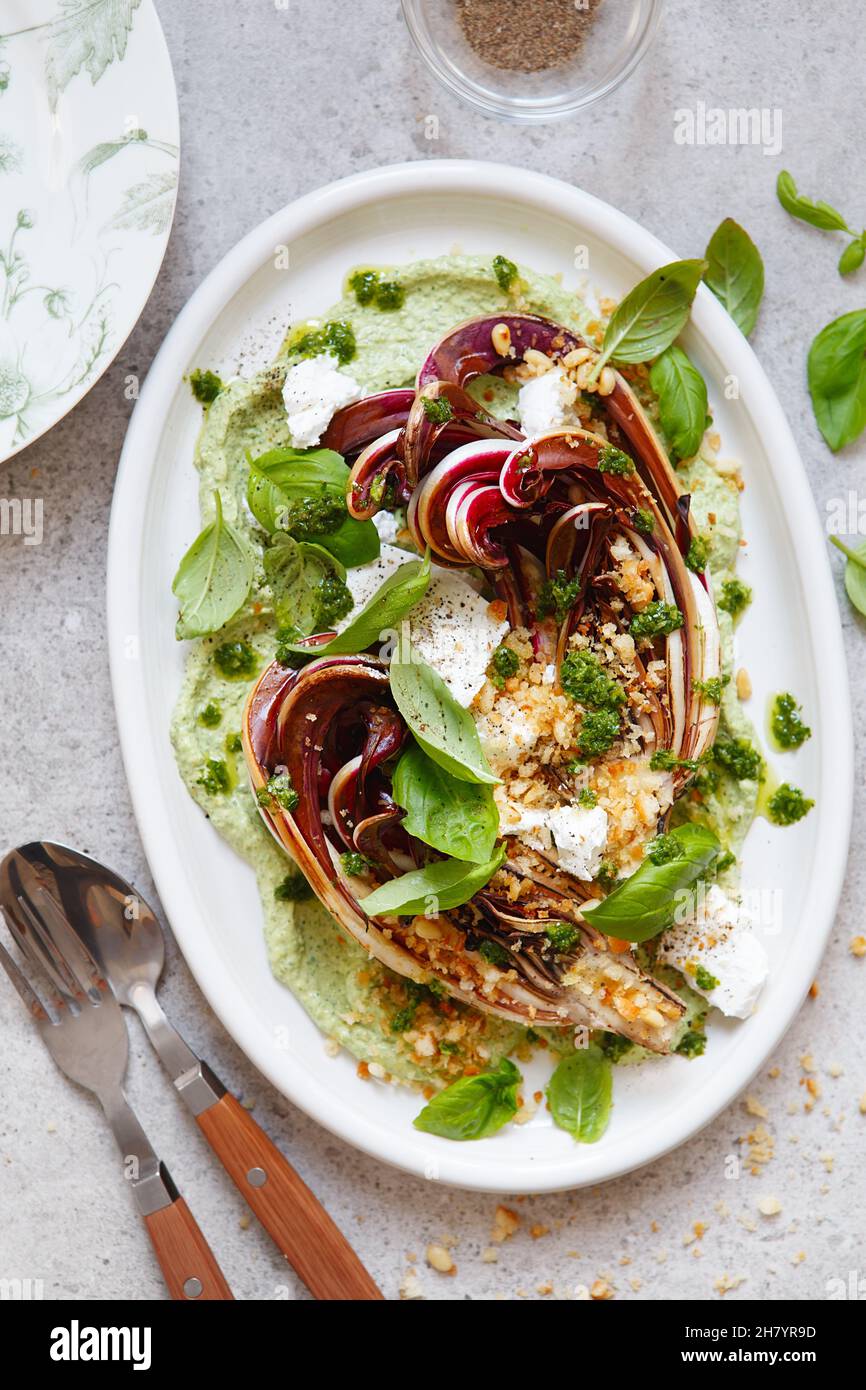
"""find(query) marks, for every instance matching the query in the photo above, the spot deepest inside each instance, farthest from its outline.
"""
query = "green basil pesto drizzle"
(778, 802)
(370, 287)
(788, 729)
(312, 339)
(205, 385)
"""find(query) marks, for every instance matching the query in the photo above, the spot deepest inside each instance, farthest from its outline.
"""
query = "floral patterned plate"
(89, 146)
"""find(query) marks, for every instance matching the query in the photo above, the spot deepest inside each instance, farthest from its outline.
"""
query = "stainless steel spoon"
(125, 937)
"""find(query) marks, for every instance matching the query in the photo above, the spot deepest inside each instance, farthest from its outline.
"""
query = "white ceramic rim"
(146, 289)
(550, 196)
(525, 110)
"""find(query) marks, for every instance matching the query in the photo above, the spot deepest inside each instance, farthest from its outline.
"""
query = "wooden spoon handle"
(188, 1264)
(294, 1219)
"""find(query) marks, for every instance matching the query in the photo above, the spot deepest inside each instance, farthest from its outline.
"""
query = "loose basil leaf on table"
(448, 883)
(394, 598)
(819, 214)
(473, 1107)
(295, 571)
(853, 256)
(682, 394)
(647, 902)
(735, 273)
(652, 315)
(855, 573)
(579, 1093)
(837, 378)
(457, 818)
(445, 730)
(283, 477)
(213, 578)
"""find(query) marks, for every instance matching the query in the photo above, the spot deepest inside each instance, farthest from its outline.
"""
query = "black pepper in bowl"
(526, 35)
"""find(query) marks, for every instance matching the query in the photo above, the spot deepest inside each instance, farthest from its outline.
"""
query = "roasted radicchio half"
(576, 509)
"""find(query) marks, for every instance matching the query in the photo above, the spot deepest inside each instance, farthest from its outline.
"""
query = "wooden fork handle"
(294, 1219)
(187, 1262)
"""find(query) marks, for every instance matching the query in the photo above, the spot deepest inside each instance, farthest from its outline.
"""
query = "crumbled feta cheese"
(363, 581)
(452, 631)
(315, 389)
(578, 834)
(546, 403)
(386, 524)
(718, 935)
(506, 733)
(451, 628)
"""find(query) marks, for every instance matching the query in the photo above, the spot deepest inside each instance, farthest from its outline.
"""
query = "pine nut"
(501, 339)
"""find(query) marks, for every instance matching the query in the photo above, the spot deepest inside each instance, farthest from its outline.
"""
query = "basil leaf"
(853, 256)
(445, 730)
(652, 314)
(473, 1107)
(819, 214)
(735, 273)
(213, 578)
(389, 605)
(295, 571)
(285, 476)
(646, 903)
(353, 543)
(458, 818)
(682, 394)
(298, 471)
(855, 573)
(436, 888)
(579, 1093)
(837, 378)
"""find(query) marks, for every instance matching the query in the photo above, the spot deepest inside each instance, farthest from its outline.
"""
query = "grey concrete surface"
(274, 101)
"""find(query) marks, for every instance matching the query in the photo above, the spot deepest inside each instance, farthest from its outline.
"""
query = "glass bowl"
(600, 44)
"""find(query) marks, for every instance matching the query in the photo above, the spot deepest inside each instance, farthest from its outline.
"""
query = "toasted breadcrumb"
(601, 1291)
(410, 1286)
(754, 1107)
(505, 1223)
(727, 1282)
(761, 1149)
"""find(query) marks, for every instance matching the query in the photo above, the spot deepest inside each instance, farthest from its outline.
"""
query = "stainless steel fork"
(83, 1028)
